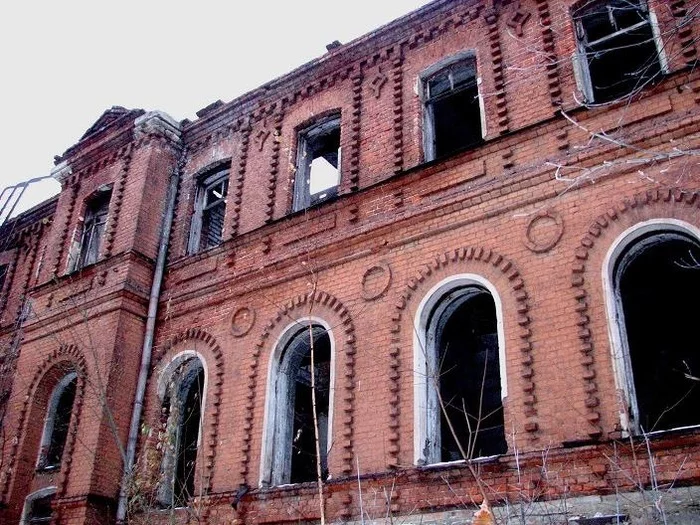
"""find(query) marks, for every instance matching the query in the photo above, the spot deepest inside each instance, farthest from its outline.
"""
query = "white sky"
(64, 62)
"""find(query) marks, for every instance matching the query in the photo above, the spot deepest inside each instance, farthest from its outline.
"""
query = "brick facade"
(535, 211)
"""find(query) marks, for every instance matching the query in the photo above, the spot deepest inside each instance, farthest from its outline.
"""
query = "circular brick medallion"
(544, 231)
(242, 321)
(376, 281)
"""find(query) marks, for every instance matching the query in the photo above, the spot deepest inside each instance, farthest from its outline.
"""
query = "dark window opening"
(318, 164)
(188, 436)
(210, 211)
(40, 510)
(96, 213)
(182, 409)
(617, 46)
(3, 276)
(658, 285)
(453, 112)
(469, 378)
(57, 422)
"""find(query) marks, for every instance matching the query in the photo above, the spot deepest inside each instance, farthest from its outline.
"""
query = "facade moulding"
(663, 198)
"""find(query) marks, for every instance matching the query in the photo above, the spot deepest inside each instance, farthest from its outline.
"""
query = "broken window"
(210, 210)
(302, 372)
(452, 109)
(463, 406)
(182, 409)
(57, 422)
(96, 212)
(318, 163)
(617, 50)
(38, 510)
(657, 282)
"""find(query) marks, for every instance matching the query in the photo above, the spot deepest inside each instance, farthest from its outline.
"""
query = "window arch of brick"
(182, 389)
(288, 430)
(650, 337)
(442, 405)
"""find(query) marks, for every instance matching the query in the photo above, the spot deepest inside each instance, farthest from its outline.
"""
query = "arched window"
(458, 368)
(300, 376)
(58, 414)
(655, 283)
(38, 507)
(182, 412)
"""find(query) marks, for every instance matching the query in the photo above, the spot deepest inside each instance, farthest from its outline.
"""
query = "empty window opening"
(293, 453)
(182, 409)
(452, 109)
(210, 211)
(617, 49)
(57, 422)
(39, 510)
(657, 284)
(318, 163)
(464, 378)
(3, 276)
(96, 212)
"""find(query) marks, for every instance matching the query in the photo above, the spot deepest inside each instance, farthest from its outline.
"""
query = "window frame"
(92, 230)
(210, 179)
(582, 71)
(174, 386)
(302, 196)
(50, 418)
(275, 469)
(617, 331)
(429, 136)
(426, 409)
(45, 493)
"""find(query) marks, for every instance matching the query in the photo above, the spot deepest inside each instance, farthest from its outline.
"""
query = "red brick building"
(455, 258)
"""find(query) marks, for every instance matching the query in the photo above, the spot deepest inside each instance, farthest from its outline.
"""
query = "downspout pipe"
(147, 348)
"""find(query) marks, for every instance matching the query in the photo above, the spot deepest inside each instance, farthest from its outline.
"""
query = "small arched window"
(656, 282)
(38, 507)
(459, 407)
(300, 378)
(57, 422)
(182, 414)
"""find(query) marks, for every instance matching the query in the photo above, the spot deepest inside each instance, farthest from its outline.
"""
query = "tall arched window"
(300, 373)
(182, 411)
(57, 422)
(656, 282)
(458, 367)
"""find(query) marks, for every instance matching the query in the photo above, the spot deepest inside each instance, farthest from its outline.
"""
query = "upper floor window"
(95, 220)
(452, 119)
(209, 212)
(57, 422)
(617, 50)
(318, 163)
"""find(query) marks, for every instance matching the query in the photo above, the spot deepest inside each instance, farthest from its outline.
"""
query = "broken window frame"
(185, 373)
(582, 67)
(278, 438)
(436, 308)
(204, 209)
(622, 252)
(93, 229)
(320, 130)
(465, 60)
(57, 423)
(45, 495)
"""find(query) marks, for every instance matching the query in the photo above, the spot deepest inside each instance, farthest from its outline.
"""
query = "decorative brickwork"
(116, 205)
(550, 58)
(453, 262)
(672, 196)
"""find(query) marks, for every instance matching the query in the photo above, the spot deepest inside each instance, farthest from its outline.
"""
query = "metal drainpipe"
(148, 342)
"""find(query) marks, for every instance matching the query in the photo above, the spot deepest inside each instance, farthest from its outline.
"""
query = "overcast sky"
(63, 63)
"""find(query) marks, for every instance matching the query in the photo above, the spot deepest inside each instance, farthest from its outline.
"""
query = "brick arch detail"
(416, 288)
(345, 341)
(579, 269)
(69, 354)
(215, 378)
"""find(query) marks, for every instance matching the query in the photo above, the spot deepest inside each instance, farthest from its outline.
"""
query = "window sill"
(459, 462)
(48, 469)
